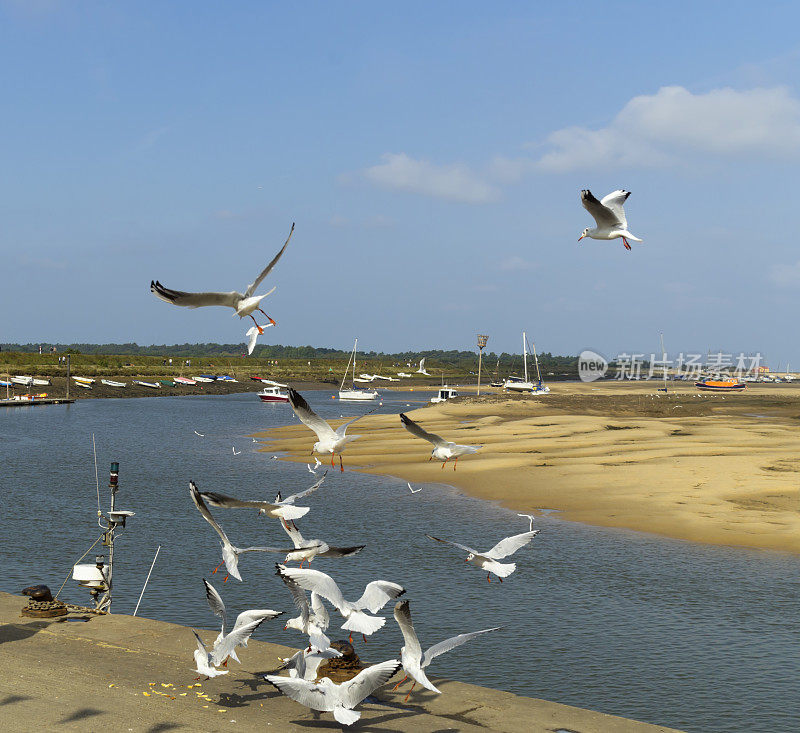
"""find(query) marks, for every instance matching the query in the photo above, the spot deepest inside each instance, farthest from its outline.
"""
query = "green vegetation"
(279, 362)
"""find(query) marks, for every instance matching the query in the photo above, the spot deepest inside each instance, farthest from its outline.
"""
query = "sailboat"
(515, 384)
(354, 393)
(497, 381)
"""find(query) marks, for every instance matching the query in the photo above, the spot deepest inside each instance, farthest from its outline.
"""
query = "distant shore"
(719, 469)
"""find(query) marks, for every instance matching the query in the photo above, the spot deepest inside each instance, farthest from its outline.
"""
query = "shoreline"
(615, 455)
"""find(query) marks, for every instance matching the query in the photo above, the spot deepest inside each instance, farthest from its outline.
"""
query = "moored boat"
(273, 394)
(354, 393)
(445, 393)
(112, 383)
(24, 381)
(84, 380)
(152, 385)
(85, 385)
(41, 382)
(185, 380)
(203, 378)
(720, 385)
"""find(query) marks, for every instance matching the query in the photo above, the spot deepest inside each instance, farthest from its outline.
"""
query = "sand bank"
(124, 673)
(721, 469)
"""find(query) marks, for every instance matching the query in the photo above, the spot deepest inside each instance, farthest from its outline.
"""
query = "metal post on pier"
(68, 365)
(482, 339)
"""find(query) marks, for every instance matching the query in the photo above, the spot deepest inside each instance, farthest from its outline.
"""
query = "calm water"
(699, 638)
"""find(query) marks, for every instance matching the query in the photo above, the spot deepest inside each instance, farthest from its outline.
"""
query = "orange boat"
(720, 385)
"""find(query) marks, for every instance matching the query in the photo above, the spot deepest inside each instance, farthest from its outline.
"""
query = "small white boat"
(203, 379)
(112, 383)
(445, 393)
(226, 378)
(152, 385)
(405, 375)
(41, 382)
(354, 393)
(25, 381)
(184, 380)
(273, 394)
(84, 380)
(85, 385)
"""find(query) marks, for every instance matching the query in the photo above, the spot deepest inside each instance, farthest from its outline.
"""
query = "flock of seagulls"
(312, 589)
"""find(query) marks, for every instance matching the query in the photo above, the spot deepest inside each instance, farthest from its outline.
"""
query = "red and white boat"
(273, 394)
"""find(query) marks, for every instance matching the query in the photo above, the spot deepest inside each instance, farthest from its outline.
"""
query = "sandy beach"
(720, 469)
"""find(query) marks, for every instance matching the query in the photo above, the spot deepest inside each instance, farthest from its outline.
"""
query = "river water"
(696, 637)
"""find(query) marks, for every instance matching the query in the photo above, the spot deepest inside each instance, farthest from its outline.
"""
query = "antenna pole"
(113, 482)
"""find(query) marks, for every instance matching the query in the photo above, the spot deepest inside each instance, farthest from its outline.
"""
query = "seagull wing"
(402, 614)
(225, 646)
(228, 502)
(255, 614)
(341, 551)
(309, 418)
(451, 643)
(194, 300)
(320, 583)
(604, 216)
(298, 597)
(377, 594)
(283, 550)
(614, 203)
(215, 602)
(200, 646)
(252, 287)
(415, 429)
(300, 494)
(203, 509)
(366, 682)
(294, 534)
(342, 429)
(510, 545)
(306, 692)
(321, 617)
(454, 544)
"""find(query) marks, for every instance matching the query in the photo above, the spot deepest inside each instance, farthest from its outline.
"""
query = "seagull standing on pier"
(609, 215)
(243, 303)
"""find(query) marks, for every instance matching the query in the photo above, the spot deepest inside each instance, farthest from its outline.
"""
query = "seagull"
(230, 553)
(243, 303)
(488, 560)
(280, 508)
(202, 435)
(530, 520)
(329, 440)
(273, 458)
(313, 619)
(326, 696)
(304, 664)
(253, 333)
(375, 596)
(235, 452)
(310, 470)
(307, 550)
(421, 369)
(443, 450)
(414, 661)
(246, 622)
(609, 215)
(254, 440)
(317, 462)
(202, 660)
(414, 491)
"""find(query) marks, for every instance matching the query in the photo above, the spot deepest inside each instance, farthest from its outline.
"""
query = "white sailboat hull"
(358, 394)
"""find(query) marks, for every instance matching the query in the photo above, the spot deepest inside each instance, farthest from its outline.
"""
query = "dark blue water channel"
(696, 637)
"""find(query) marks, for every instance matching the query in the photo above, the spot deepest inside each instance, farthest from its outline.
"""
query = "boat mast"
(536, 360)
(355, 346)
(347, 368)
(525, 354)
(664, 361)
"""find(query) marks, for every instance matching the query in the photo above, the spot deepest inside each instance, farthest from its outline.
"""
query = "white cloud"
(673, 124)
(453, 182)
(786, 276)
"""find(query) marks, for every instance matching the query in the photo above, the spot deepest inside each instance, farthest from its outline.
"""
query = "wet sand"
(714, 468)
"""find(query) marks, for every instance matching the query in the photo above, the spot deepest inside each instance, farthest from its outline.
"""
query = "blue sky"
(431, 155)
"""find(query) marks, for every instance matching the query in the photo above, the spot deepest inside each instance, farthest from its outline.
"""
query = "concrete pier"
(132, 674)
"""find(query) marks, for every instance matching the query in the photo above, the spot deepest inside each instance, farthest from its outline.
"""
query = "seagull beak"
(581, 237)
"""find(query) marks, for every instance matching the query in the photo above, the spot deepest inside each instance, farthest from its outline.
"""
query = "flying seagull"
(326, 696)
(230, 553)
(202, 435)
(414, 661)
(246, 622)
(253, 333)
(609, 215)
(305, 663)
(414, 491)
(328, 440)
(202, 660)
(280, 508)
(375, 596)
(488, 560)
(421, 369)
(443, 450)
(235, 452)
(313, 619)
(307, 550)
(243, 303)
